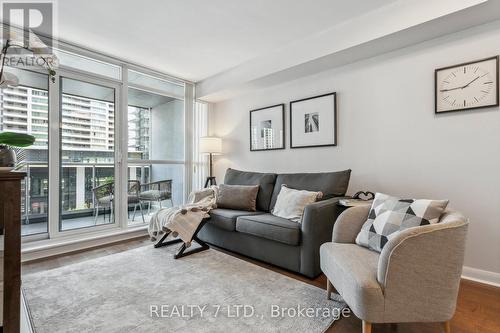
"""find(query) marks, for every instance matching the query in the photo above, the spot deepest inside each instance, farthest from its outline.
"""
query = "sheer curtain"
(200, 129)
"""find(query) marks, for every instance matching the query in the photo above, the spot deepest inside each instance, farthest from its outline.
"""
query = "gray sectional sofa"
(275, 240)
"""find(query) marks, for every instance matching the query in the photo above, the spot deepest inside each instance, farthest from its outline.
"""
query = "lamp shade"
(210, 144)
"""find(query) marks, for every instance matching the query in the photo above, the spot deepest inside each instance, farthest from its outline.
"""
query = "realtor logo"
(27, 22)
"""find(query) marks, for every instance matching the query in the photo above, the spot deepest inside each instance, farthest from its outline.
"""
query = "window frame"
(121, 138)
(55, 229)
(137, 162)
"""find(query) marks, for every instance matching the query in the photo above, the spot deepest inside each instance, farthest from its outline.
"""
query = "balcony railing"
(76, 202)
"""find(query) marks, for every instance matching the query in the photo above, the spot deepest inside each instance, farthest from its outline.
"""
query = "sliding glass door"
(87, 173)
(24, 109)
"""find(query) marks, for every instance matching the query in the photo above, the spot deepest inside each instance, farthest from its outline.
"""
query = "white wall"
(390, 137)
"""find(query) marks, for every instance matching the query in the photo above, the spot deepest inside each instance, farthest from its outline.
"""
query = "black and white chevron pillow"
(389, 215)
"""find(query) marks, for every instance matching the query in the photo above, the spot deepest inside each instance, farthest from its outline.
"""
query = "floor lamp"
(212, 146)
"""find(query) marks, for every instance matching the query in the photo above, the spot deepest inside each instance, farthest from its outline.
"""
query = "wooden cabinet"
(10, 227)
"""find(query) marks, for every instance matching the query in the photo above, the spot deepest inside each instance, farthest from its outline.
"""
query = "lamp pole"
(210, 179)
(210, 167)
(210, 145)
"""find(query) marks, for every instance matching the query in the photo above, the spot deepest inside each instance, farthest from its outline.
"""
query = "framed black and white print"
(267, 128)
(313, 122)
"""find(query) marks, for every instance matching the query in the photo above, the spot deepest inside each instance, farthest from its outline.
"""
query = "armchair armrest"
(349, 224)
(424, 264)
(316, 229)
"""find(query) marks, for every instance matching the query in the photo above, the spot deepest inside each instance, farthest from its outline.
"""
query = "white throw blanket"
(183, 220)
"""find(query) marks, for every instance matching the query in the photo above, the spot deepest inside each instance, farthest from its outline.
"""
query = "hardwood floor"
(478, 307)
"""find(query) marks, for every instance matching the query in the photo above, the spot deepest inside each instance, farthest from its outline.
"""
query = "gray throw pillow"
(389, 215)
(238, 197)
(264, 180)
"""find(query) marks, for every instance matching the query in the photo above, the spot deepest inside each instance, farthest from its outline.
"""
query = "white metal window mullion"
(121, 124)
(188, 138)
(201, 129)
(54, 154)
(120, 180)
(197, 168)
(194, 155)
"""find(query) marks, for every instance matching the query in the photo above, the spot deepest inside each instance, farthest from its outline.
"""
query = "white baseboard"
(26, 324)
(478, 275)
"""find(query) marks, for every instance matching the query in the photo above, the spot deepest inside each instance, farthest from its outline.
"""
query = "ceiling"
(388, 28)
(229, 47)
(196, 39)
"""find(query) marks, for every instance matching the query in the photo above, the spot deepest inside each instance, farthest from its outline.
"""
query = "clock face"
(467, 86)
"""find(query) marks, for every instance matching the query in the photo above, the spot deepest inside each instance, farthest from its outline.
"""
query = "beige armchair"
(414, 279)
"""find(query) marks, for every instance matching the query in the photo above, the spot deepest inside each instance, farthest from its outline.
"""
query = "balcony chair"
(133, 190)
(156, 192)
(103, 197)
(414, 279)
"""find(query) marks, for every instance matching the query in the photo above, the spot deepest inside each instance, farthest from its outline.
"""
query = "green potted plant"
(8, 140)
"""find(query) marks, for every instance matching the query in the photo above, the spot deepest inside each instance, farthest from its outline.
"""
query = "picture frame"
(313, 121)
(476, 83)
(267, 128)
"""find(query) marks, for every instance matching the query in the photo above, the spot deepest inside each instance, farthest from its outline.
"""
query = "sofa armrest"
(316, 229)
(424, 264)
(349, 224)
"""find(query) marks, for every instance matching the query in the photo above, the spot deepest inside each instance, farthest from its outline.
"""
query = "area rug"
(146, 290)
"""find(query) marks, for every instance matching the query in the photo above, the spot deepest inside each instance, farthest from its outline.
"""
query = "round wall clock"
(467, 86)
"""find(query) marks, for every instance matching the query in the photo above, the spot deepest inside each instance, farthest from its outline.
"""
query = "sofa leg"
(329, 288)
(446, 326)
(367, 327)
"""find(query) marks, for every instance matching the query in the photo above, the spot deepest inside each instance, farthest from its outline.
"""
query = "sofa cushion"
(332, 184)
(352, 269)
(238, 197)
(270, 227)
(226, 218)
